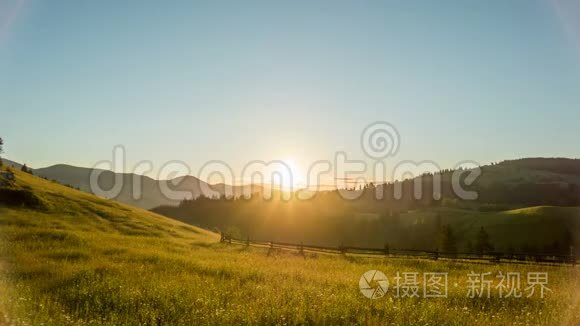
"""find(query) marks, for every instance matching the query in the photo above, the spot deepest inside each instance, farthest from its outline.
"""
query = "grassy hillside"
(68, 257)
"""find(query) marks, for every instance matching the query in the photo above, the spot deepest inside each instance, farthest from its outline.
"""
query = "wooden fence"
(495, 257)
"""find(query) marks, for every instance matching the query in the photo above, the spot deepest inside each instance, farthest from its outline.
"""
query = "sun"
(288, 175)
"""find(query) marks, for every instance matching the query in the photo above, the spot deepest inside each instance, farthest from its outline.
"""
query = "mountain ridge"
(534, 170)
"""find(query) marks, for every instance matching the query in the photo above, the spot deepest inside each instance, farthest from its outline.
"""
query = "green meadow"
(71, 258)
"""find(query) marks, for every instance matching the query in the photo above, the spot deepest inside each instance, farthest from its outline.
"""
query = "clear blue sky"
(244, 80)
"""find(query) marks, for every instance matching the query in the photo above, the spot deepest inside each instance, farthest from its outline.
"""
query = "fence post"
(230, 239)
(387, 251)
(221, 236)
(301, 248)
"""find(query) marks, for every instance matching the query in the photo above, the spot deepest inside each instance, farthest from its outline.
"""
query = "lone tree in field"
(483, 244)
(26, 169)
(447, 242)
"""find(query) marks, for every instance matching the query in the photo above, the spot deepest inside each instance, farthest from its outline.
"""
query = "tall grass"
(84, 260)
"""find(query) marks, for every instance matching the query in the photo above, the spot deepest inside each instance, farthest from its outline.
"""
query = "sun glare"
(289, 176)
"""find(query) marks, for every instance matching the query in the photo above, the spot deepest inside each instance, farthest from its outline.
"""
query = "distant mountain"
(529, 171)
(522, 182)
(554, 165)
(147, 196)
(530, 181)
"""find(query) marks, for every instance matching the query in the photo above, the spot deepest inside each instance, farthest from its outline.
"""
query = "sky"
(292, 80)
